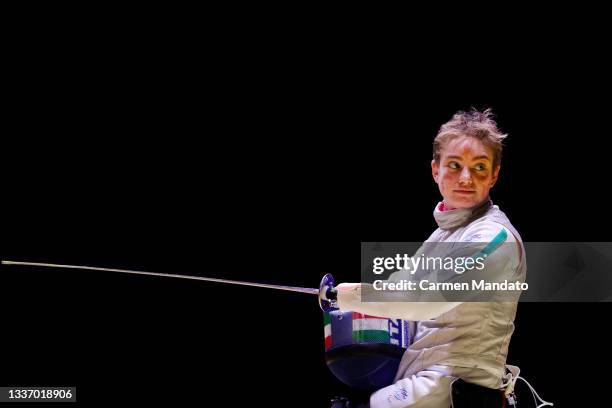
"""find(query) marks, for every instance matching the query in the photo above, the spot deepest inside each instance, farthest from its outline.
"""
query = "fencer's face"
(465, 173)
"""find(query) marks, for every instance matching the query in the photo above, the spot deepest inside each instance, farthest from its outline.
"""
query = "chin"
(463, 203)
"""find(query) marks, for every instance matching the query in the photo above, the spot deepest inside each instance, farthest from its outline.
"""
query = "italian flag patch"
(327, 330)
(370, 329)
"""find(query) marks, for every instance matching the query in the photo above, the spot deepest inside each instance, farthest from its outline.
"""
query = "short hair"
(476, 124)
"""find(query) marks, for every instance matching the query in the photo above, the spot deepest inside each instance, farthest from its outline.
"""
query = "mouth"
(466, 192)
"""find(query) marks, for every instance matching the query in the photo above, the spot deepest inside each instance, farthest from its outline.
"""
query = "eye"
(454, 165)
(480, 167)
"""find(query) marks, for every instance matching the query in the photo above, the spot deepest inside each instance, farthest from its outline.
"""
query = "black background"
(265, 159)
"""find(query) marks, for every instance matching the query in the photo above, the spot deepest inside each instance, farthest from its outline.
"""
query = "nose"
(465, 178)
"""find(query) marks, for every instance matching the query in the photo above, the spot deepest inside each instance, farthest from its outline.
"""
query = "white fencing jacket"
(470, 339)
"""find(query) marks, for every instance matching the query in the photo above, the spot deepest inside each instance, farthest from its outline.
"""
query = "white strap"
(510, 381)
(450, 390)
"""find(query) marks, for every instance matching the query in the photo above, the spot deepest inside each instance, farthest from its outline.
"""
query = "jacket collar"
(451, 219)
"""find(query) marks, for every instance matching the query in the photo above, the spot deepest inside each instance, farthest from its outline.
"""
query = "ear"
(495, 176)
(435, 170)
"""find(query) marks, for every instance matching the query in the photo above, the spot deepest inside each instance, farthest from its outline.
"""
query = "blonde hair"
(476, 124)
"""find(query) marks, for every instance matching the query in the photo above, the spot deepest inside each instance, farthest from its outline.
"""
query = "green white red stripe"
(368, 328)
(327, 330)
